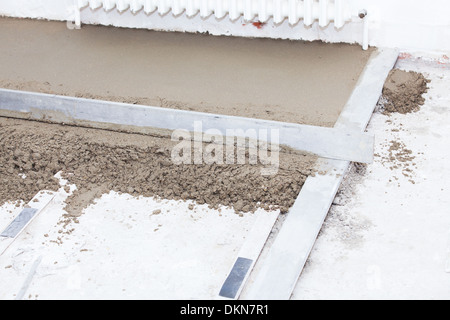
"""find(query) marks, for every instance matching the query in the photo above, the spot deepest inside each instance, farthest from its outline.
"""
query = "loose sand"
(290, 81)
(403, 91)
(99, 161)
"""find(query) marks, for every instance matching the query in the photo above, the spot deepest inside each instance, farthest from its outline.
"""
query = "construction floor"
(58, 255)
(387, 234)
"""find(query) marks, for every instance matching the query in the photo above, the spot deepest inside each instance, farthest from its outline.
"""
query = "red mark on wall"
(259, 24)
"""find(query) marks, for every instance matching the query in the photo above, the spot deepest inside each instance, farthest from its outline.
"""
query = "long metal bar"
(329, 143)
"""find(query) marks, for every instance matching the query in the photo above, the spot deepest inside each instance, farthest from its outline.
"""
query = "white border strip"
(280, 271)
(329, 143)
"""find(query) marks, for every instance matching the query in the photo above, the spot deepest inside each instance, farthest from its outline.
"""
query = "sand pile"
(99, 161)
(403, 91)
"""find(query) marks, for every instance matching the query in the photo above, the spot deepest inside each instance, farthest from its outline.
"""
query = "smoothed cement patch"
(282, 80)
